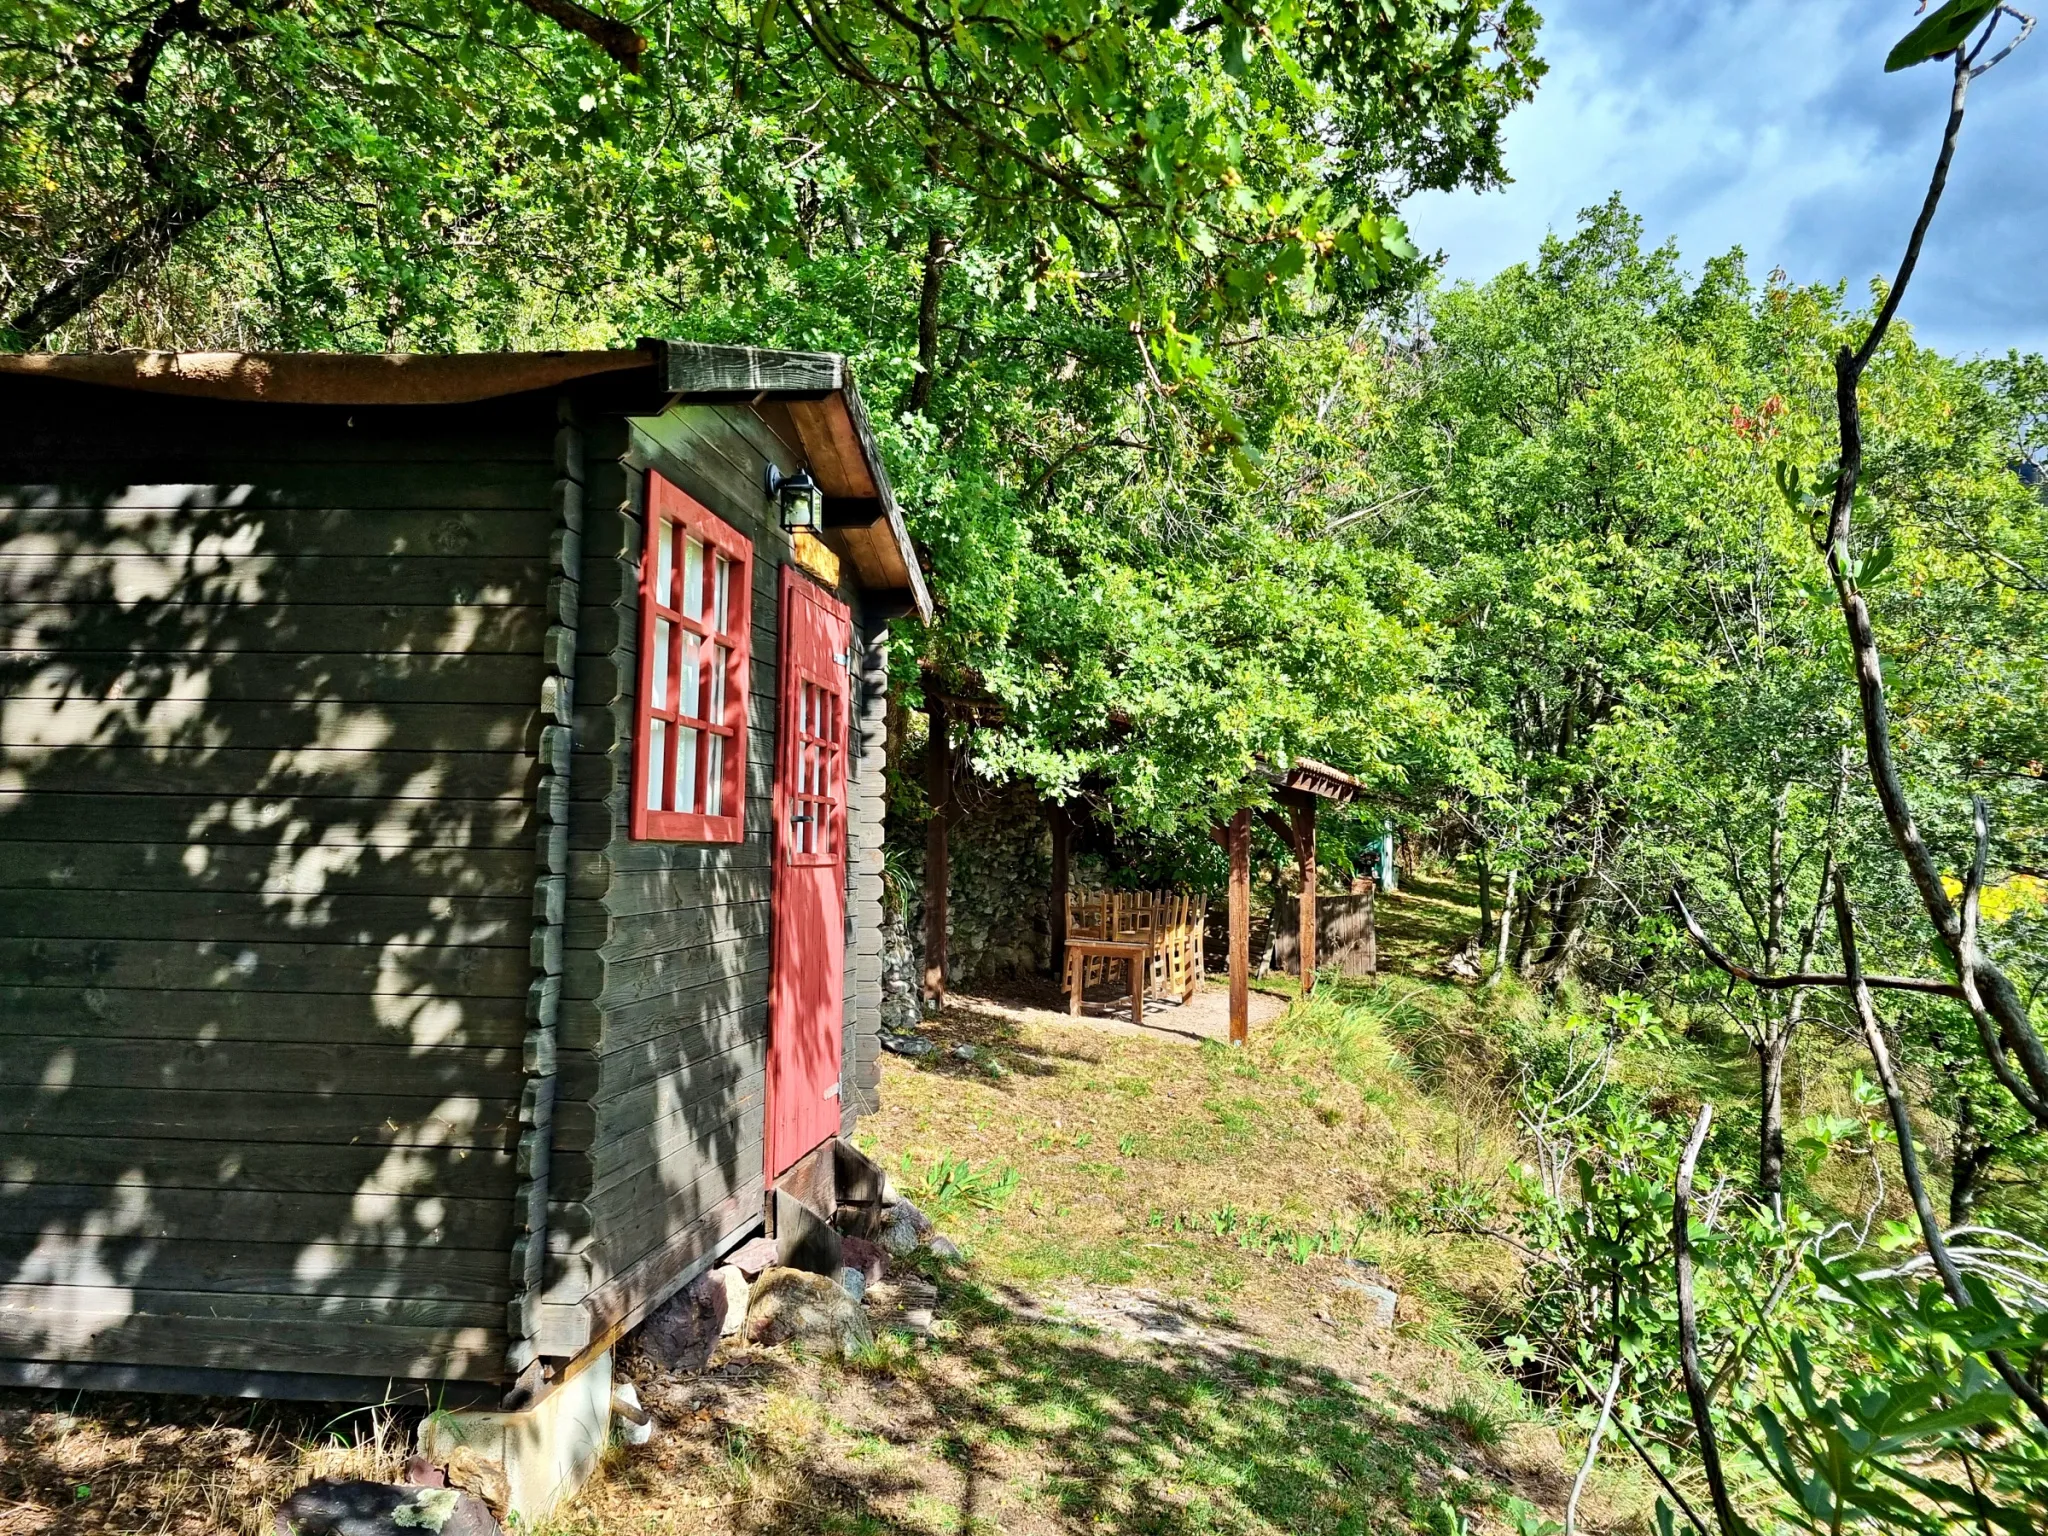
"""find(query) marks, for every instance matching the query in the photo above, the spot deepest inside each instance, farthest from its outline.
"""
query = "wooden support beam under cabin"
(937, 855)
(1239, 843)
(1305, 859)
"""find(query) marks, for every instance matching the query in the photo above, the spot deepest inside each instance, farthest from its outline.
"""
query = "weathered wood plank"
(284, 1168)
(416, 971)
(320, 771)
(622, 1301)
(285, 823)
(402, 1073)
(432, 628)
(300, 1117)
(708, 967)
(641, 1215)
(335, 1018)
(310, 870)
(602, 1076)
(233, 1263)
(202, 481)
(354, 725)
(648, 892)
(45, 1304)
(588, 1026)
(676, 1142)
(240, 532)
(337, 917)
(244, 1344)
(697, 919)
(258, 678)
(39, 580)
(699, 1090)
(135, 1213)
(629, 858)
(698, 369)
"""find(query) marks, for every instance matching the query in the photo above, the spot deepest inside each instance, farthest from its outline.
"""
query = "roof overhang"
(825, 406)
(1309, 777)
(818, 388)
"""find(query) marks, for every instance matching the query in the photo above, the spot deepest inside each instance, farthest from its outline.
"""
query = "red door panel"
(807, 982)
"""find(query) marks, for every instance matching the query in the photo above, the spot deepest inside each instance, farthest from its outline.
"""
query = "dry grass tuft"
(160, 1466)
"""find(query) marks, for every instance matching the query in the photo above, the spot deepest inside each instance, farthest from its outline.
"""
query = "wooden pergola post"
(937, 855)
(1305, 860)
(1238, 841)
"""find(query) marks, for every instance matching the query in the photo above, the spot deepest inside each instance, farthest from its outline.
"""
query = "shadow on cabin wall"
(269, 691)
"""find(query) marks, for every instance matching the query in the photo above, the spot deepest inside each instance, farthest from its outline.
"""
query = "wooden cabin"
(440, 867)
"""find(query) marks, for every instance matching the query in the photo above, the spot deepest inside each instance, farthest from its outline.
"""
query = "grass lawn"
(1083, 1168)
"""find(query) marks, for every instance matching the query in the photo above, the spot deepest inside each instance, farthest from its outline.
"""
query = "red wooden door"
(807, 981)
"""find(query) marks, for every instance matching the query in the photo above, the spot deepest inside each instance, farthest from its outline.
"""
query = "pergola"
(1299, 790)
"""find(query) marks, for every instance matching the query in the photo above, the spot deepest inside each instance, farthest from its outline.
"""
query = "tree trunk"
(1485, 898)
(938, 252)
(1568, 923)
(1527, 926)
(1062, 826)
(1770, 1163)
(66, 298)
(1500, 952)
(1966, 1167)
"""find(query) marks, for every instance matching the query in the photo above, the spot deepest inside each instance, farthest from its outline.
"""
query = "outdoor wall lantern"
(803, 504)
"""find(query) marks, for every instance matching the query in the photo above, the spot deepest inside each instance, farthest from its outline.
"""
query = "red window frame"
(690, 716)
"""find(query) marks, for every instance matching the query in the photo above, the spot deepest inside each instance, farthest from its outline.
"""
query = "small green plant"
(1127, 1145)
(1447, 1203)
(1527, 1520)
(1481, 1423)
(950, 1185)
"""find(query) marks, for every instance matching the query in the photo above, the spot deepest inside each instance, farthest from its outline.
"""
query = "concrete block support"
(548, 1451)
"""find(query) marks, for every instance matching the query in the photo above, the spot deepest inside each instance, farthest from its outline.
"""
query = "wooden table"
(1136, 954)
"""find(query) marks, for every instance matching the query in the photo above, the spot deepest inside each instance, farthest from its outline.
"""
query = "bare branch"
(1909, 1155)
(1689, 1330)
(1923, 984)
(1571, 1507)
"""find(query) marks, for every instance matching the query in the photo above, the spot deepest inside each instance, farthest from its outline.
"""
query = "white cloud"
(1771, 125)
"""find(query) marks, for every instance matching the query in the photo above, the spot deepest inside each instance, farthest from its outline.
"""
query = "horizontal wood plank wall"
(867, 800)
(658, 1155)
(270, 687)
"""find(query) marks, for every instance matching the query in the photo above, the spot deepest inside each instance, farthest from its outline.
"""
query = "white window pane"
(686, 768)
(686, 691)
(656, 745)
(693, 578)
(665, 562)
(721, 598)
(657, 689)
(714, 775)
(721, 659)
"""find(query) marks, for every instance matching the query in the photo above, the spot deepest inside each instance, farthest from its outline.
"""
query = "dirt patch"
(1205, 1016)
(1099, 1408)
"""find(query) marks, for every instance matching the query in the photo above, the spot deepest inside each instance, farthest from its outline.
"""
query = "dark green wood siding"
(270, 683)
(658, 1156)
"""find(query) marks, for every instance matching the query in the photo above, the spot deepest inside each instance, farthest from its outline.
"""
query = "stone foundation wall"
(999, 900)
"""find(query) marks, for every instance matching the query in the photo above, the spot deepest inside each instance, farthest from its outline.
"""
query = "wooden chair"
(1155, 935)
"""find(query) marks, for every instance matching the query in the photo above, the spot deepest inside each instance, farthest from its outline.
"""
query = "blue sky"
(1770, 124)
